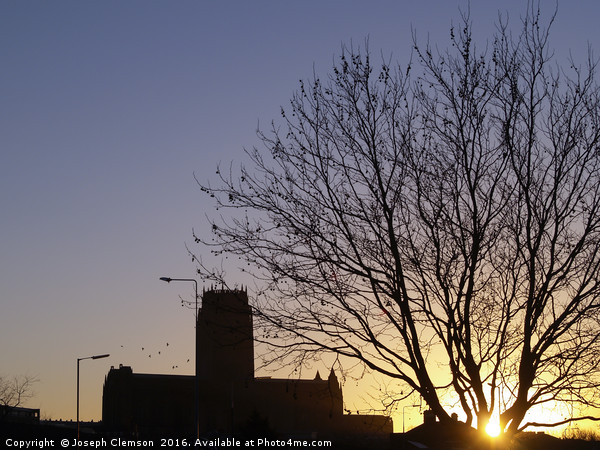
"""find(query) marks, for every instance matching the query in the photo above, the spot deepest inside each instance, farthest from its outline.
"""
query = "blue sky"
(108, 109)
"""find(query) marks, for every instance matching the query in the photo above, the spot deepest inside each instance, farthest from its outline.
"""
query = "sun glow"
(493, 428)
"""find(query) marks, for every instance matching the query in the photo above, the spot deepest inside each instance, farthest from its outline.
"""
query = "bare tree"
(16, 390)
(438, 224)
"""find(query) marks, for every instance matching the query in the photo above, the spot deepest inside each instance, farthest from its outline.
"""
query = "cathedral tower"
(225, 346)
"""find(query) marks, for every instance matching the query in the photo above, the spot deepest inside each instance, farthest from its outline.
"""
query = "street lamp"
(81, 359)
(168, 280)
(403, 430)
(403, 408)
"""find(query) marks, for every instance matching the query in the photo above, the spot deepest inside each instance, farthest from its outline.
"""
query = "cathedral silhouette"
(231, 400)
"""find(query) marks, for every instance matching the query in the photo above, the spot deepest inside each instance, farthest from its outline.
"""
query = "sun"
(493, 429)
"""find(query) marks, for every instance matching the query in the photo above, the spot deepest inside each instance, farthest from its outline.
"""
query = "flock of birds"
(157, 353)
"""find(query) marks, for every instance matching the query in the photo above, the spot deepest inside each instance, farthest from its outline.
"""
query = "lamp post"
(81, 359)
(196, 395)
(403, 430)
(403, 408)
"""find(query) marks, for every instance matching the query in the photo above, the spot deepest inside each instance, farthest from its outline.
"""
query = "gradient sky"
(107, 109)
